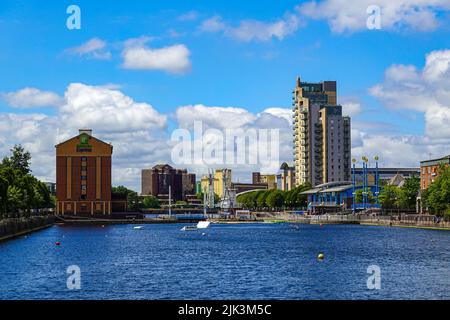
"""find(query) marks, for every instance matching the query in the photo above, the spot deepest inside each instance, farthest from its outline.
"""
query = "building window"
(83, 178)
(83, 158)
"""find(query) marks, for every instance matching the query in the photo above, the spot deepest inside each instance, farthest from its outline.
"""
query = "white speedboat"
(200, 225)
(203, 224)
(138, 228)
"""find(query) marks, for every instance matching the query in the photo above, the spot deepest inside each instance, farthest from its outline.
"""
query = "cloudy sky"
(137, 70)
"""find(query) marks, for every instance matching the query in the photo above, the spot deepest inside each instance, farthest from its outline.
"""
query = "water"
(245, 261)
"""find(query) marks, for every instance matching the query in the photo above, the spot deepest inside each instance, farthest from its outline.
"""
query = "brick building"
(429, 170)
(83, 176)
(156, 182)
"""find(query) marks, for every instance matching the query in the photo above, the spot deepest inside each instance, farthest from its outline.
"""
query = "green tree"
(14, 199)
(3, 195)
(359, 196)
(408, 193)
(20, 160)
(275, 200)
(261, 198)
(150, 202)
(389, 196)
(131, 196)
(133, 201)
(437, 195)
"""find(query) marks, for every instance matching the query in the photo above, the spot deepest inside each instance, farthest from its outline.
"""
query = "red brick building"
(83, 176)
(429, 170)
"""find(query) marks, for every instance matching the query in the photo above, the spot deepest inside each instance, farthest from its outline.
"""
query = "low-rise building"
(385, 174)
(242, 187)
(335, 197)
(429, 170)
(157, 180)
(269, 179)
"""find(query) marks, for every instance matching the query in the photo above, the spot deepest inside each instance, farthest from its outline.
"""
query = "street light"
(353, 185)
(376, 179)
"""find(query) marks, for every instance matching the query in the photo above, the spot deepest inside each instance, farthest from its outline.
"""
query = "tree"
(132, 196)
(150, 202)
(275, 199)
(408, 193)
(388, 196)
(261, 198)
(437, 196)
(121, 190)
(20, 160)
(3, 194)
(14, 199)
(133, 201)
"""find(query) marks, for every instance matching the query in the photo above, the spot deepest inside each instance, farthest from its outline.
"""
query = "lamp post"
(353, 185)
(365, 181)
(377, 191)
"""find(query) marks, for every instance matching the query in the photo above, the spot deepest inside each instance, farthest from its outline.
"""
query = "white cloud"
(172, 59)
(418, 15)
(136, 129)
(254, 30)
(249, 30)
(188, 16)
(222, 118)
(108, 110)
(213, 24)
(94, 48)
(351, 108)
(426, 91)
(412, 90)
(283, 113)
(31, 98)
(215, 117)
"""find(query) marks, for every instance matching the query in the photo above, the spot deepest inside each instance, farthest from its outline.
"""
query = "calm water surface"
(245, 261)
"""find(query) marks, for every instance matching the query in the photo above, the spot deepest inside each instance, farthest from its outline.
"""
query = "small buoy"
(321, 256)
(58, 243)
(321, 225)
(203, 234)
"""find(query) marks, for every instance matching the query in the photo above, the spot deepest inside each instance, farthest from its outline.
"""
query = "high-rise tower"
(321, 134)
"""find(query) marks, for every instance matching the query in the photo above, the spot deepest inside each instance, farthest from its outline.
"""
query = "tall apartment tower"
(321, 134)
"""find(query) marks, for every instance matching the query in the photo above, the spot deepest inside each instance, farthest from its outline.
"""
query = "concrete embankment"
(15, 227)
(404, 221)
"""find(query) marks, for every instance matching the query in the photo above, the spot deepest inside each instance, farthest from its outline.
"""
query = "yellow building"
(270, 180)
(220, 180)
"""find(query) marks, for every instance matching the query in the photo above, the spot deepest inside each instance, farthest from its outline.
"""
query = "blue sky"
(225, 69)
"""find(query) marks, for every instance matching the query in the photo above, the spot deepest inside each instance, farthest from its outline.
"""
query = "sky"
(135, 71)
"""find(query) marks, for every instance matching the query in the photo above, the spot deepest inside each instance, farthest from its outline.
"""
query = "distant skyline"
(137, 70)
